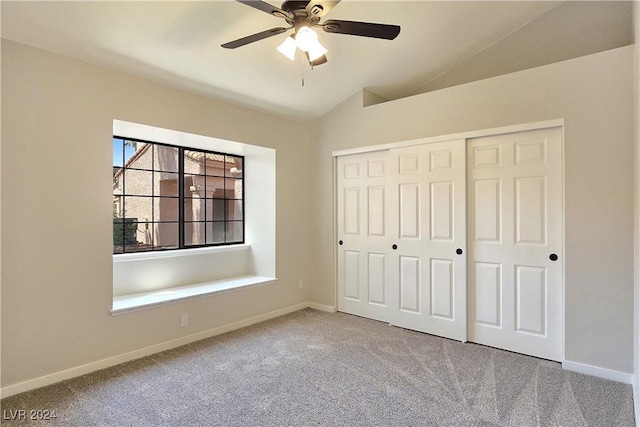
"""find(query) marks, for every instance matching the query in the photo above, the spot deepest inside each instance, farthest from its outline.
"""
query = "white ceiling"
(178, 43)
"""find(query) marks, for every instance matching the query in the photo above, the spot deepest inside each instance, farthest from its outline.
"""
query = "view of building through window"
(168, 197)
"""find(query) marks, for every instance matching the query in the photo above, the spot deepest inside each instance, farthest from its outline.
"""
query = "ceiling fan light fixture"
(288, 48)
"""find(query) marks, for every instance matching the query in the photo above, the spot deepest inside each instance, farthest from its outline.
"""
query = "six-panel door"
(363, 232)
(515, 242)
(429, 227)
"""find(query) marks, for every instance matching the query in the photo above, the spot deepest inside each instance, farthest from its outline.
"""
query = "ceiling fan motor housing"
(298, 8)
(293, 5)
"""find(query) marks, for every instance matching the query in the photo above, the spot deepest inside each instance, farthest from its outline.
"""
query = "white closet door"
(363, 233)
(515, 242)
(428, 263)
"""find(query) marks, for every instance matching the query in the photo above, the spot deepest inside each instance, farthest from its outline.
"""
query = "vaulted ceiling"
(441, 43)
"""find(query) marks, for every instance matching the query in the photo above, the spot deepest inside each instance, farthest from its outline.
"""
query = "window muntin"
(169, 197)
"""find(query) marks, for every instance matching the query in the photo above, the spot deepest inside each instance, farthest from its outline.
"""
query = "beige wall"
(594, 94)
(57, 118)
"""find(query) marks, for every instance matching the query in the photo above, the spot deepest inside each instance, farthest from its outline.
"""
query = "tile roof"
(199, 155)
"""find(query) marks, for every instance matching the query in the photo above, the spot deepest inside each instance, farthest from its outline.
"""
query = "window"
(170, 197)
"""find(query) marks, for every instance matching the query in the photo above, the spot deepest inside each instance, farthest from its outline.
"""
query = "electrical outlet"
(300, 283)
(184, 319)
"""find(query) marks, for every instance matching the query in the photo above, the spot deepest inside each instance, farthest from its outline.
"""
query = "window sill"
(146, 300)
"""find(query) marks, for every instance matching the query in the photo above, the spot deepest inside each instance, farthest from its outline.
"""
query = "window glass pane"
(138, 208)
(166, 184)
(196, 209)
(211, 185)
(165, 209)
(117, 205)
(117, 195)
(118, 235)
(218, 210)
(166, 235)
(187, 230)
(217, 233)
(138, 155)
(233, 188)
(194, 162)
(123, 150)
(166, 158)
(117, 185)
(194, 233)
(218, 184)
(234, 210)
(137, 182)
(145, 232)
(188, 209)
(234, 232)
(215, 164)
(188, 183)
(234, 166)
(118, 154)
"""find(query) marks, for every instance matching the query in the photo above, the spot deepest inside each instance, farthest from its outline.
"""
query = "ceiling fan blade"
(266, 7)
(364, 29)
(254, 38)
(320, 8)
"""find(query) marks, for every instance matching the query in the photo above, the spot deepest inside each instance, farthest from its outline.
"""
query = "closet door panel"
(428, 189)
(363, 228)
(515, 208)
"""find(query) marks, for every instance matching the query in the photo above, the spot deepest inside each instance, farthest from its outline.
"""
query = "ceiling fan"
(303, 16)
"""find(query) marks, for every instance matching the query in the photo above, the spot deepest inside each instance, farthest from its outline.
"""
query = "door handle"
(394, 247)
(553, 257)
(459, 251)
(340, 242)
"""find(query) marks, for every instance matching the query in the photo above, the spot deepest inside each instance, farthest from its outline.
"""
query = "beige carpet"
(311, 368)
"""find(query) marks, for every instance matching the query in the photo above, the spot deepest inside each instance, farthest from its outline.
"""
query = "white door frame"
(441, 138)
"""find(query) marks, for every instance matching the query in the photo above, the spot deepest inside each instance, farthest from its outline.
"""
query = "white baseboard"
(146, 351)
(322, 307)
(608, 374)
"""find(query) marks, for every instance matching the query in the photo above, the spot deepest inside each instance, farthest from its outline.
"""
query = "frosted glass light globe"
(306, 39)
